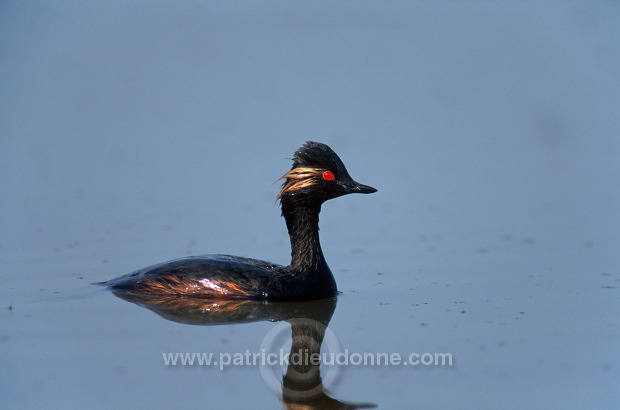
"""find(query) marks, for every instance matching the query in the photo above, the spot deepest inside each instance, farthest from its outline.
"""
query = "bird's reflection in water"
(302, 385)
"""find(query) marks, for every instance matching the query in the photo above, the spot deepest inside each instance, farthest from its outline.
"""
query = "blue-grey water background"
(135, 132)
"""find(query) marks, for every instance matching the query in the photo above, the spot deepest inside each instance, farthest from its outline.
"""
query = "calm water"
(132, 135)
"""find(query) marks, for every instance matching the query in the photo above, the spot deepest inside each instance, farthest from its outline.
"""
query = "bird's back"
(215, 276)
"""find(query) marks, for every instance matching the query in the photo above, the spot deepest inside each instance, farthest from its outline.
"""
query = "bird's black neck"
(302, 221)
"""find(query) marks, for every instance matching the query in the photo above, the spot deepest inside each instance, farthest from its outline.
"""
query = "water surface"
(134, 135)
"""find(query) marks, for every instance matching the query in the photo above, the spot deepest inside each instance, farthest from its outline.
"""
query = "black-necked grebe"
(317, 175)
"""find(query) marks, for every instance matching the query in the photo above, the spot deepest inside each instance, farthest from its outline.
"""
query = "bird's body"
(227, 276)
(317, 175)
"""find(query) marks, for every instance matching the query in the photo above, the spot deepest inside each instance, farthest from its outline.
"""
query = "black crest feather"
(316, 154)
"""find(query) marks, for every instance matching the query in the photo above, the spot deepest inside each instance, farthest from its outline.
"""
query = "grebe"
(317, 175)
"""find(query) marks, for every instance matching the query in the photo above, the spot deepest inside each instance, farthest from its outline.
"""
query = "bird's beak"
(357, 188)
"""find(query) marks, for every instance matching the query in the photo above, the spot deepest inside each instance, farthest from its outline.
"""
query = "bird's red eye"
(328, 176)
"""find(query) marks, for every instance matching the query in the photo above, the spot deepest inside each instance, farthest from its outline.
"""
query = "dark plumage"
(317, 175)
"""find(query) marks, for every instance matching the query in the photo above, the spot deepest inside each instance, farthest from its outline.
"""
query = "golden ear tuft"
(298, 178)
